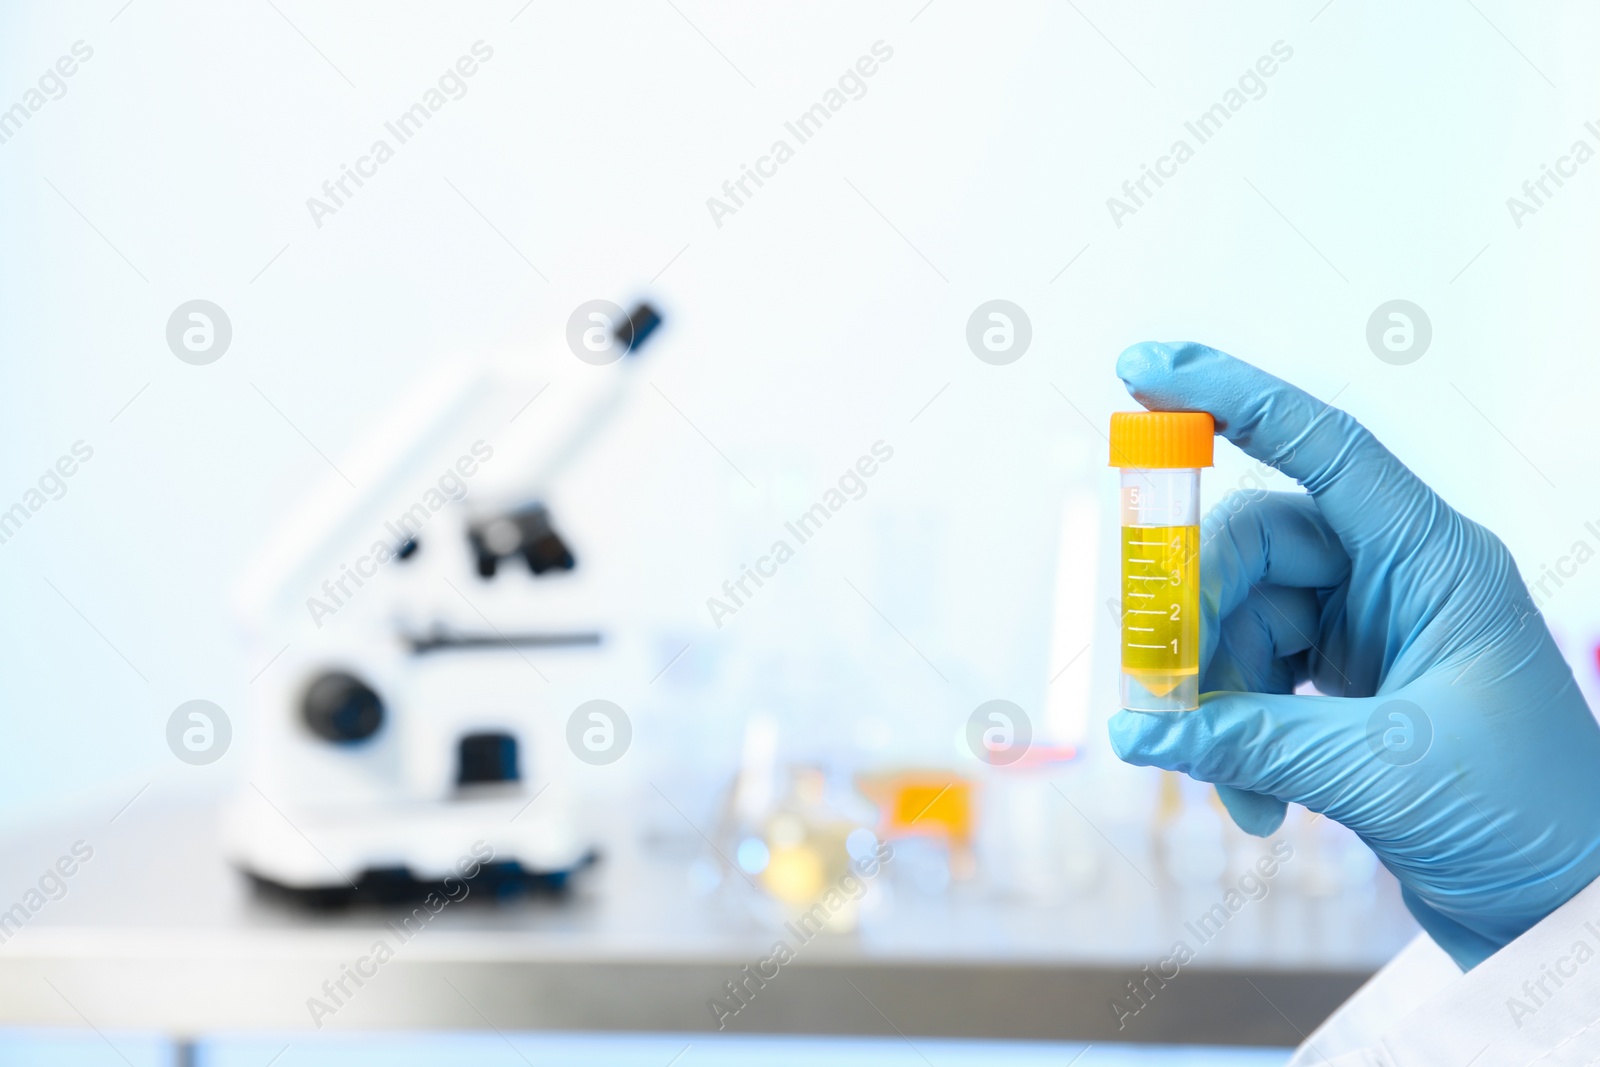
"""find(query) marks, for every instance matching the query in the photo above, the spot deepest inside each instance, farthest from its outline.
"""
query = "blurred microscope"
(404, 728)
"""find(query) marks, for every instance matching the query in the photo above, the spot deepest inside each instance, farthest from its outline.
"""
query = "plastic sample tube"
(1161, 453)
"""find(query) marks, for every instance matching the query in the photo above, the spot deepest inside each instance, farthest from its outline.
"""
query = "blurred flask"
(1031, 844)
(807, 861)
(933, 809)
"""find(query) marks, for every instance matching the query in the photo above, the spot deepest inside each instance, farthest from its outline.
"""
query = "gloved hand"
(1458, 746)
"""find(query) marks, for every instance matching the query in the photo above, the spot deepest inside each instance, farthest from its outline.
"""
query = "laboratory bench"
(156, 932)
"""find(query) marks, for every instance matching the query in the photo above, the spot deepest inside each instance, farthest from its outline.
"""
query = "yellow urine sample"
(1161, 605)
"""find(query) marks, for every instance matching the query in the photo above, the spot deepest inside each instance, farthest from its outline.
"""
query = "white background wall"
(821, 317)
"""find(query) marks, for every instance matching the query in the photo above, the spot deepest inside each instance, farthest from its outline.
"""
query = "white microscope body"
(414, 611)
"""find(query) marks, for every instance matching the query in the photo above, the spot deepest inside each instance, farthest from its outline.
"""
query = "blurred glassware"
(927, 803)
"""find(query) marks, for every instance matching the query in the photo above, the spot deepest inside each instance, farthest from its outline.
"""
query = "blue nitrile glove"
(1458, 747)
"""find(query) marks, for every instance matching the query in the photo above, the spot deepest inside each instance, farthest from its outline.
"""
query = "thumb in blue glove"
(1457, 746)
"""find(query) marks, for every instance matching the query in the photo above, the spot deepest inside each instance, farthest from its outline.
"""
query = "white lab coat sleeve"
(1535, 1002)
(1420, 971)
